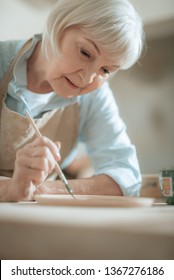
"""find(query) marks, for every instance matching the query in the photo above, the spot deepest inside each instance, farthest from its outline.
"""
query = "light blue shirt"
(100, 127)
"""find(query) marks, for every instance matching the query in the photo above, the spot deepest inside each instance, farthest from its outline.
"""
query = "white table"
(33, 231)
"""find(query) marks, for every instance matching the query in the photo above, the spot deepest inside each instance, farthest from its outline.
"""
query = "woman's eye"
(106, 71)
(85, 53)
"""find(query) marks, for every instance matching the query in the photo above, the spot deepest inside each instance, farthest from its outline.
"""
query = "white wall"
(145, 95)
(155, 10)
(20, 19)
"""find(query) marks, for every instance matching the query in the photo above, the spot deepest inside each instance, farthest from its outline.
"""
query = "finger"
(40, 148)
(37, 177)
(44, 141)
(51, 145)
(58, 144)
(45, 161)
(23, 180)
(43, 154)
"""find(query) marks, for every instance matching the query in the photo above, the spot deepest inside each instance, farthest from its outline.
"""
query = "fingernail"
(58, 156)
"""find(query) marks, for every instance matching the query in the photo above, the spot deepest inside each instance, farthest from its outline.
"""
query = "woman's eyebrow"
(97, 49)
(95, 46)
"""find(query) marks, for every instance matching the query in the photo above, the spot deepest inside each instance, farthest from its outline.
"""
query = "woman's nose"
(87, 76)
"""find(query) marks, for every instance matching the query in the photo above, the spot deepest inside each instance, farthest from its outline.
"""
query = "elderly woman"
(63, 76)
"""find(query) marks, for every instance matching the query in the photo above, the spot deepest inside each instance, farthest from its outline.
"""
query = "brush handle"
(36, 129)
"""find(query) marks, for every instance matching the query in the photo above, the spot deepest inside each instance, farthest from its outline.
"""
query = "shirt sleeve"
(104, 134)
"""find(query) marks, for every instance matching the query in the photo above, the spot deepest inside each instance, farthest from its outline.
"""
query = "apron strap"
(9, 73)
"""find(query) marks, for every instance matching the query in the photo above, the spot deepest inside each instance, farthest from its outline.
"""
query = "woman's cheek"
(97, 83)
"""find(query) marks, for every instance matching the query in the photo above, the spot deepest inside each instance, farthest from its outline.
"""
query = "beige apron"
(16, 131)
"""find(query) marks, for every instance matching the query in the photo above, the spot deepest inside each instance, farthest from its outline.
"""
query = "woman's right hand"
(32, 165)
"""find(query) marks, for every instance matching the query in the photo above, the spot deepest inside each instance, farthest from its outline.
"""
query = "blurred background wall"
(145, 93)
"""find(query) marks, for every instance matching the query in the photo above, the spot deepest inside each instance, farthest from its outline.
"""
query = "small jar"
(167, 185)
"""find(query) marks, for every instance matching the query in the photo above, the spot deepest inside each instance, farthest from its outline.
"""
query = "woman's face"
(83, 67)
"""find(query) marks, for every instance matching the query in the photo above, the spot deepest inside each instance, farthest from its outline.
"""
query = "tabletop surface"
(158, 219)
(62, 232)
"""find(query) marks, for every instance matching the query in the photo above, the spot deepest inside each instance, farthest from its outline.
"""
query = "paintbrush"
(38, 133)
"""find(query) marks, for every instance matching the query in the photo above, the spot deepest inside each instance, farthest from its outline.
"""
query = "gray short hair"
(113, 24)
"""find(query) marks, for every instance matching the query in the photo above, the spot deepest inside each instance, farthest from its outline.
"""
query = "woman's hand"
(33, 164)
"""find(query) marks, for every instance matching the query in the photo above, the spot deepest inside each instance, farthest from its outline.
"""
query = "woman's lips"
(72, 85)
